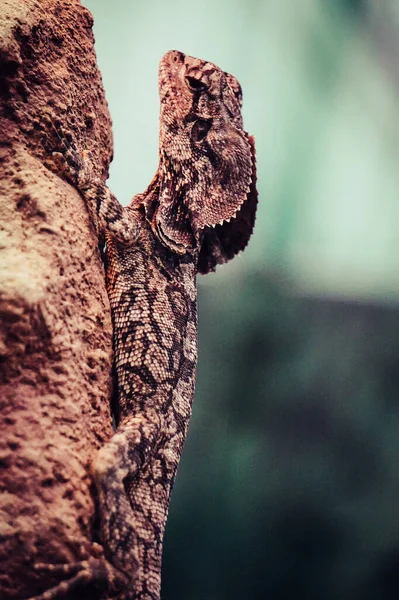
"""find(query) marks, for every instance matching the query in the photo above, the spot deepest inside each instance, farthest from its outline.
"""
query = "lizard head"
(207, 195)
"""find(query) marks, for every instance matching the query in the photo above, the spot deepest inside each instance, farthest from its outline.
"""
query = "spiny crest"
(206, 196)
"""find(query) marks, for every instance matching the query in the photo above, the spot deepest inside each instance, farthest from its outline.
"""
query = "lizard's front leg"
(106, 211)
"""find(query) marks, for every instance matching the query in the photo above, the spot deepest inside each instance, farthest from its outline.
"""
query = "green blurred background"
(289, 483)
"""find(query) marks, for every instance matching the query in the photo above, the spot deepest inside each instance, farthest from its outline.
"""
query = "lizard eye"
(200, 129)
(195, 85)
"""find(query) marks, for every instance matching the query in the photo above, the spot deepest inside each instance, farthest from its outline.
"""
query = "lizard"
(197, 212)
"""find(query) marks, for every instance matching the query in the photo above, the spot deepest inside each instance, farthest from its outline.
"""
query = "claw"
(93, 571)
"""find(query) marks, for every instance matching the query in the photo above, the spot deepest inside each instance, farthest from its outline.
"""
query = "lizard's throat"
(166, 208)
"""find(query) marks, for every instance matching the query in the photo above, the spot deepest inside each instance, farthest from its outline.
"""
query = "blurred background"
(289, 482)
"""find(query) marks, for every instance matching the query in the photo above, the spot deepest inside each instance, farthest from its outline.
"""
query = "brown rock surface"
(55, 343)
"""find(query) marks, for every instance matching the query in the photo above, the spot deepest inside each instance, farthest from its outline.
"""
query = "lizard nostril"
(177, 56)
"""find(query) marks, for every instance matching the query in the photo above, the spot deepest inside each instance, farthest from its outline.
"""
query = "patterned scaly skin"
(197, 212)
(153, 302)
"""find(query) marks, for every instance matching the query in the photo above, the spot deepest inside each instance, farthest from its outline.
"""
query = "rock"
(55, 342)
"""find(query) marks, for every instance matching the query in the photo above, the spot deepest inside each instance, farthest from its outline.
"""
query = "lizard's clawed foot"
(72, 166)
(66, 167)
(96, 572)
(69, 163)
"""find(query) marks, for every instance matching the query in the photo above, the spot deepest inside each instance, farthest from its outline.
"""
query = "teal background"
(289, 481)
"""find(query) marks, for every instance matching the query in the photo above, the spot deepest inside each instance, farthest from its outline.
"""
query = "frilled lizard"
(197, 212)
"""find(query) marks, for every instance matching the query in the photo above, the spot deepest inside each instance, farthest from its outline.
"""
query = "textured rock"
(55, 342)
